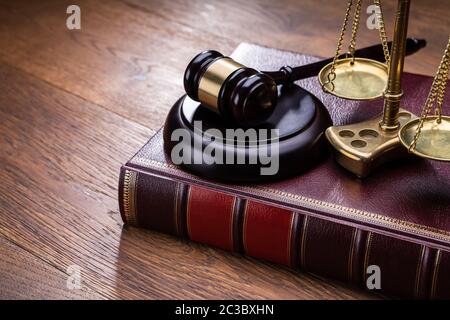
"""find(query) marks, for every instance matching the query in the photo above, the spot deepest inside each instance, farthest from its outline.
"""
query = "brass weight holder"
(361, 147)
(352, 77)
(429, 136)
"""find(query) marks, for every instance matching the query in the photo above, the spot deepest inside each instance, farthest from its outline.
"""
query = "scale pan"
(366, 79)
(434, 139)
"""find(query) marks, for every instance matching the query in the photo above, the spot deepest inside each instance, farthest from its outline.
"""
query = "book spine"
(292, 238)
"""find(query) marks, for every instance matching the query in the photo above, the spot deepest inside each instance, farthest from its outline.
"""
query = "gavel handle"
(310, 70)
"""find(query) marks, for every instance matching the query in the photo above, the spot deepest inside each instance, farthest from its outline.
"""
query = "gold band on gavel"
(213, 79)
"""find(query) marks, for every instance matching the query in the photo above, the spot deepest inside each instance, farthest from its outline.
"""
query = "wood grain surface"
(75, 105)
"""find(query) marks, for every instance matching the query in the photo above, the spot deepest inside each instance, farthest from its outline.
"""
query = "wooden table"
(76, 104)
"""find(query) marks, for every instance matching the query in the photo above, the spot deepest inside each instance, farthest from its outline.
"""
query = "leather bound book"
(325, 221)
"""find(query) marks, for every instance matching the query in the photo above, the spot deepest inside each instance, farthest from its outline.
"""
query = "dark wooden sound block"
(300, 118)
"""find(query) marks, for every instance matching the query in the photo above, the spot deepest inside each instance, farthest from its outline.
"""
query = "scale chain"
(355, 26)
(436, 94)
(442, 86)
(332, 75)
(382, 31)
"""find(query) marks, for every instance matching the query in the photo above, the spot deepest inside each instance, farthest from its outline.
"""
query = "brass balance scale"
(396, 133)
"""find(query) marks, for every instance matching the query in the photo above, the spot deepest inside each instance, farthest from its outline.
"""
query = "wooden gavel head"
(242, 95)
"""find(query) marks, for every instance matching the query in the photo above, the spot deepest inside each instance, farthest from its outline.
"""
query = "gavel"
(247, 97)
